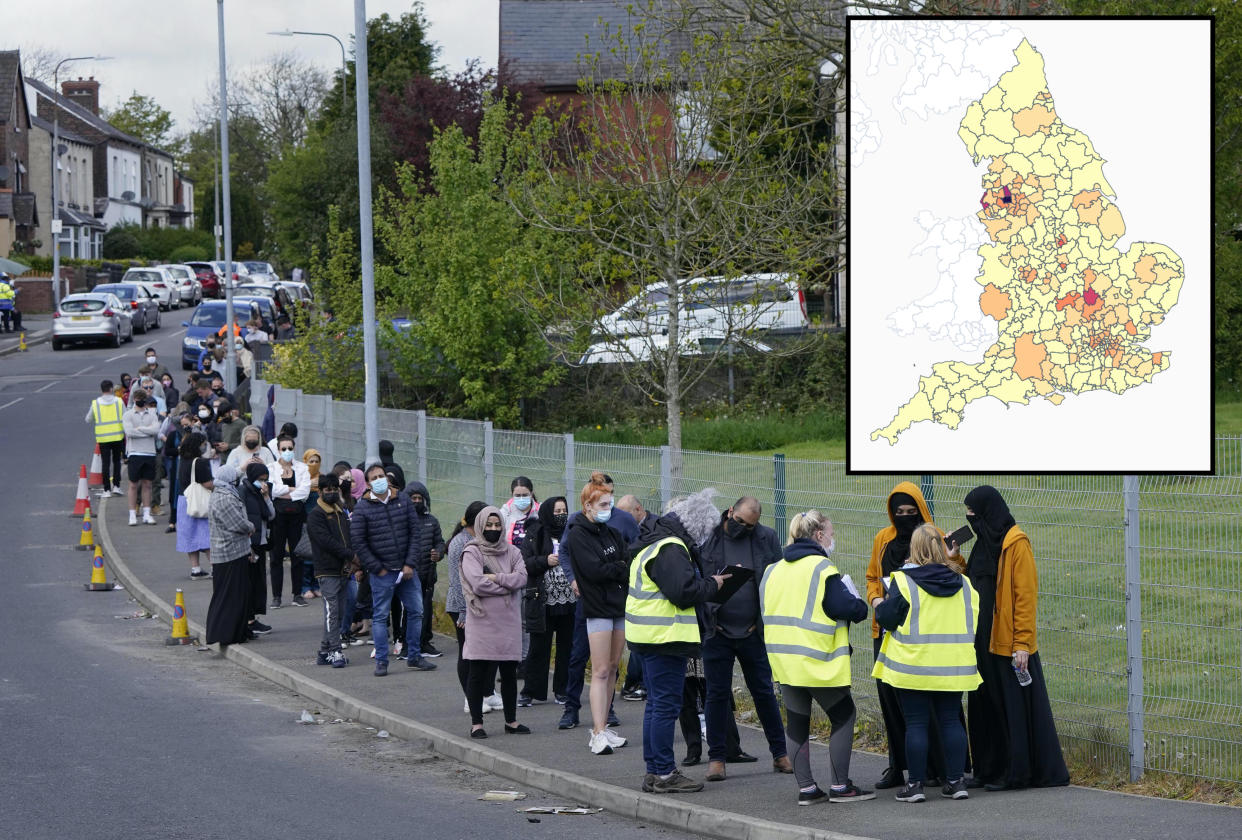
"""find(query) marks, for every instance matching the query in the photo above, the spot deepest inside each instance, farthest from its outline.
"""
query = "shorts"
(605, 625)
(142, 468)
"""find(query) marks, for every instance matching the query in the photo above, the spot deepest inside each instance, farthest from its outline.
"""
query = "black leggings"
(463, 665)
(286, 532)
(839, 706)
(110, 454)
(481, 683)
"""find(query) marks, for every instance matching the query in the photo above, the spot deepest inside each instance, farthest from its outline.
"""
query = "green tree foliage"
(131, 241)
(142, 116)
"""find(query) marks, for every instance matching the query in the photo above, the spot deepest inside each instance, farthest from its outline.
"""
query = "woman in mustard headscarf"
(313, 461)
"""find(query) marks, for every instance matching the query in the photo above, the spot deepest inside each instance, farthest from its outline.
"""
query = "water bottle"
(1023, 675)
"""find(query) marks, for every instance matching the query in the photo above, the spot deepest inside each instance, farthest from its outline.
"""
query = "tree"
(284, 96)
(645, 188)
(39, 62)
(143, 117)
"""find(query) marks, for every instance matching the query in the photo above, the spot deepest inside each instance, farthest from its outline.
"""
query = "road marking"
(83, 370)
(114, 358)
(11, 402)
(44, 388)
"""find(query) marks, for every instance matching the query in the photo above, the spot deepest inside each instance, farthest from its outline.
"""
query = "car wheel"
(116, 339)
(157, 319)
(56, 345)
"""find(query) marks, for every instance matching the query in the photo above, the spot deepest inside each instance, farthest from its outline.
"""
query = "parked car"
(750, 302)
(187, 283)
(208, 277)
(91, 316)
(693, 342)
(262, 271)
(297, 290)
(144, 307)
(279, 297)
(267, 310)
(158, 282)
(208, 319)
(240, 272)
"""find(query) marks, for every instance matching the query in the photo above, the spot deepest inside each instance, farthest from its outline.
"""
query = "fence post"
(570, 467)
(489, 466)
(329, 430)
(420, 424)
(778, 492)
(928, 485)
(666, 476)
(1134, 628)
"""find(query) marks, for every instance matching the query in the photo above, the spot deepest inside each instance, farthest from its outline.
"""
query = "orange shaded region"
(994, 302)
(1068, 300)
(1029, 357)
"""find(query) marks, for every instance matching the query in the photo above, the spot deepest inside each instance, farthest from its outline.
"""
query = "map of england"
(1074, 313)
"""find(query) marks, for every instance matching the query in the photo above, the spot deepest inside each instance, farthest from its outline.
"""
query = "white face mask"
(150, 360)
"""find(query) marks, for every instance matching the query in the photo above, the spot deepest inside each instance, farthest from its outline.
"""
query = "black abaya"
(228, 612)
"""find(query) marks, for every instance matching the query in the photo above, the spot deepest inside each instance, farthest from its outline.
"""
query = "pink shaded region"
(1089, 297)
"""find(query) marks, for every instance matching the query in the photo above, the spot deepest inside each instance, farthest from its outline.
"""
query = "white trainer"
(614, 740)
(493, 703)
(599, 744)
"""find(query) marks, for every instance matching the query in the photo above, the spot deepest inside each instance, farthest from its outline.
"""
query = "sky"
(168, 49)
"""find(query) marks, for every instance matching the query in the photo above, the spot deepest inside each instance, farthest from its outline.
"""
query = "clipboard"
(739, 577)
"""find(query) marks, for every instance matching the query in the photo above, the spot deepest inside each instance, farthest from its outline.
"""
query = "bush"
(121, 243)
(130, 241)
(727, 432)
(188, 253)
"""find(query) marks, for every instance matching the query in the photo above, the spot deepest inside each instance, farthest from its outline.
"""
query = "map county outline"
(1073, 311)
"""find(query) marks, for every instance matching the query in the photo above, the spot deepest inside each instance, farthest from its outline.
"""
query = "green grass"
(722, 432)
(1229, 418)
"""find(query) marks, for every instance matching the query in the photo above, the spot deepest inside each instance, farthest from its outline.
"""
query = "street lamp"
(230, 320)
(289, 33)
(56, 170)
(362, 101)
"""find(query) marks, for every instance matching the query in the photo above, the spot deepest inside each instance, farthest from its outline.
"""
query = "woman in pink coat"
(492, 578)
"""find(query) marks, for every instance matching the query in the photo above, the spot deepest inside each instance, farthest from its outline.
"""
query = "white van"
(750, 303)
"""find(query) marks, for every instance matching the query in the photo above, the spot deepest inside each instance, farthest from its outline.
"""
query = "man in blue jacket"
(384, 531)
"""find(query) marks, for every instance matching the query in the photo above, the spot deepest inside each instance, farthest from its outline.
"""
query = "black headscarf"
(898, 549)
(991, 521)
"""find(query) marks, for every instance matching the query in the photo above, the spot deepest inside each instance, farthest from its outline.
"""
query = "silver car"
(190, 288)
(159, 283)
(91, 317)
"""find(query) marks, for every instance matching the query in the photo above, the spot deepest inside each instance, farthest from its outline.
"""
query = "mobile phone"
(961, 536)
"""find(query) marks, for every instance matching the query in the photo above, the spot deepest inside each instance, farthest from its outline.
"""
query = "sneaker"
(399, 650)
(478, 733)
(676, 783)
(851, 793)
(155, 510)
(613, 720)
(321, 658)
(299, 601)
(615, 740)
(815, 797)
(891, 779)
(381, 668)
(912, 792)
(638, 693)
(560, 699)
(955, 790)
(338, 659)
(417, 663)
(117, 491)
(275, 604)
(346, 640)
(149, 520)
(493, 703)
(649, 781)
(260, 628)
(133, 519)
(519, 729)
(568, 720)
(600, 744)
(465, 707)
(171, 529)
(525, 701)
(199, 574)
(429, 651)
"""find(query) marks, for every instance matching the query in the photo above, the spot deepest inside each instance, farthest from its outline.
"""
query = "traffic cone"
(21, 342)
(87, 541)
(83, 502)
(99, 580)
(95, 479)
(180, 634)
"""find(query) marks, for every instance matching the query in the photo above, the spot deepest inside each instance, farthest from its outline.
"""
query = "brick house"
(19, 214)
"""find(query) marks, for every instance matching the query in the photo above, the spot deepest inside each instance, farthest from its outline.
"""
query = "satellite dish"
(128, 195)
(4, 172)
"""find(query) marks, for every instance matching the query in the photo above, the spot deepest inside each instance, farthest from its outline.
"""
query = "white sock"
(146, 513)
(197, 570)
(133, 515)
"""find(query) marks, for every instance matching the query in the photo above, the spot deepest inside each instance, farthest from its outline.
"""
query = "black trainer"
(568, 720)
(815, 797)
(912, 792)
(417, 663)
(955, 790)
(891, 779)
(430, 651)
(852, 793)
(260, 628)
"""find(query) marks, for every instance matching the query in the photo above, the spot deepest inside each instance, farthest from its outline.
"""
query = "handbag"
(197, 497)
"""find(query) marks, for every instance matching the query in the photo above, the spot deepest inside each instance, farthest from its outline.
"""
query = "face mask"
(140, 403)
(420, 507)
(258, 485)
(828, 549)
(558, 522)
(380, 486)
(286, 455)
(737, 530)
(203, 413)
(603, 515)
(217, 388)
(150, 360)
(331, 498)
(168, 384)
(252, 443)
(491, 535)
(346, 485)
(521, 502)
(906, 523)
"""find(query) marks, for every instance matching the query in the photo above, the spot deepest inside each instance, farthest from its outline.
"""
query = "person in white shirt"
(251, 448)
(141, 425)
(291, 485)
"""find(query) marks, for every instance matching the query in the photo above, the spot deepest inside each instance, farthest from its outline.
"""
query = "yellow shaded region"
(1025, 81)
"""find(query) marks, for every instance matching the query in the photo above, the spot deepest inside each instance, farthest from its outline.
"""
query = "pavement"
(752, 804)
(38, 329)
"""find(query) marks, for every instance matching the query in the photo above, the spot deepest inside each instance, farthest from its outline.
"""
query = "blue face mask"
(603, 515)
(286, 455)
(521, 502)
(258, 485)
(380, 486)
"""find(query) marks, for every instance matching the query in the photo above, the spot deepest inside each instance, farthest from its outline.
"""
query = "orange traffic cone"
(86, 542)
(180, 634)
(99, 580)
(95, 479)
(83, 502)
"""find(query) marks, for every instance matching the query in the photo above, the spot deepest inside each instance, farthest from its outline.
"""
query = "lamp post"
(362, 100)
(56, 170)
(289, 33)
(230, 320)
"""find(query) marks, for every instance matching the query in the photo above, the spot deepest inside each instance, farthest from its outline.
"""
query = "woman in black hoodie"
(256, 496)
(548, 604)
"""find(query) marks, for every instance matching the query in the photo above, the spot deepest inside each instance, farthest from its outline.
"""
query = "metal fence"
(1140, 612)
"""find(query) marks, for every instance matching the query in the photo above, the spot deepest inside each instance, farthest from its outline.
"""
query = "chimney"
(84, 92)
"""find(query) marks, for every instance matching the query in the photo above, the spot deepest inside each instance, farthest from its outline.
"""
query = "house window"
(693, 128)
(116, 176)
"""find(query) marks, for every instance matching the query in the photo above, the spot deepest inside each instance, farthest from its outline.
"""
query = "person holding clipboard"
(808, 606)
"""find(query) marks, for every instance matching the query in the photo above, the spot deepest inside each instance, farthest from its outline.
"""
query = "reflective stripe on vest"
(913, 658)
(107, 429)
(651, 618)
(805, 647)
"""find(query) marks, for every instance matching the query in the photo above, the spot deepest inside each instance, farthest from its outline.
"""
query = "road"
(109, 734)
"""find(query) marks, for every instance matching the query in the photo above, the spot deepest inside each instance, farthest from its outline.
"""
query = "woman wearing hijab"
(492, 578)
(549, 603)
(230, 558)
(1012, 734)
(256, 493)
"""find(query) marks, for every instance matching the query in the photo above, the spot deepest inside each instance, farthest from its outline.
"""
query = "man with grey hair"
(661, 623)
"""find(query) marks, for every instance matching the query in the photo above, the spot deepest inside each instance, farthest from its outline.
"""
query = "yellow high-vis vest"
(108, 426)
(934, 648)
(805, 646)
(651, 618)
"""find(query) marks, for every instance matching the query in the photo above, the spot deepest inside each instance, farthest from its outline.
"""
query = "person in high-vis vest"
(104, 416)
(928, 656)
(8, 303)
(666, 584)
(808, 606)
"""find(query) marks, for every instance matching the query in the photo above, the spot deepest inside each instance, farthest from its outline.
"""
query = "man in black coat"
(327, 526)
(431, 549)
(734, 631)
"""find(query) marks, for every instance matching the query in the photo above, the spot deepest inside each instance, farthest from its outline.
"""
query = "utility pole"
(362, 99)
(230, 363)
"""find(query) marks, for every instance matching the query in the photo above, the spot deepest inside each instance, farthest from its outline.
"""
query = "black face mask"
(331, 498)
(140, 403)
(973, 520)
(906, 523)
(737, 529)
(492, 535)
(420, 508)
(346, 484)
(558, 523)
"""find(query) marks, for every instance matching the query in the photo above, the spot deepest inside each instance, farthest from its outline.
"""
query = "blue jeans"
(579, 653)
(918, 708)
(410, 591)
(665, 677)
(718, 655)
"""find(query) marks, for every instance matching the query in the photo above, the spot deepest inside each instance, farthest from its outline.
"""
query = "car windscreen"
(123, 292)
(208, 316)
(84, 305)
(144, 277)
(256, 266)
(180, 273)
(255, 291)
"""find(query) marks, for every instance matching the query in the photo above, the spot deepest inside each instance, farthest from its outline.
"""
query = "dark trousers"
(174, 490)
(633, 672)
(428, 613)
(286, 531)
(560, 628)
(110, 453)
(463, 664)
(333, 592)
(579, 654)
(719, 653)
(362, 601)
(481, 681)
(694, 700)
(895, 729)
(258, 582)
(942, 709)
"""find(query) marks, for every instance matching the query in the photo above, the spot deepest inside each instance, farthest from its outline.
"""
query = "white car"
(261, 271)
(187, 283)
(694, 342)
(159, 282)
(750, 302)
(240, 273)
